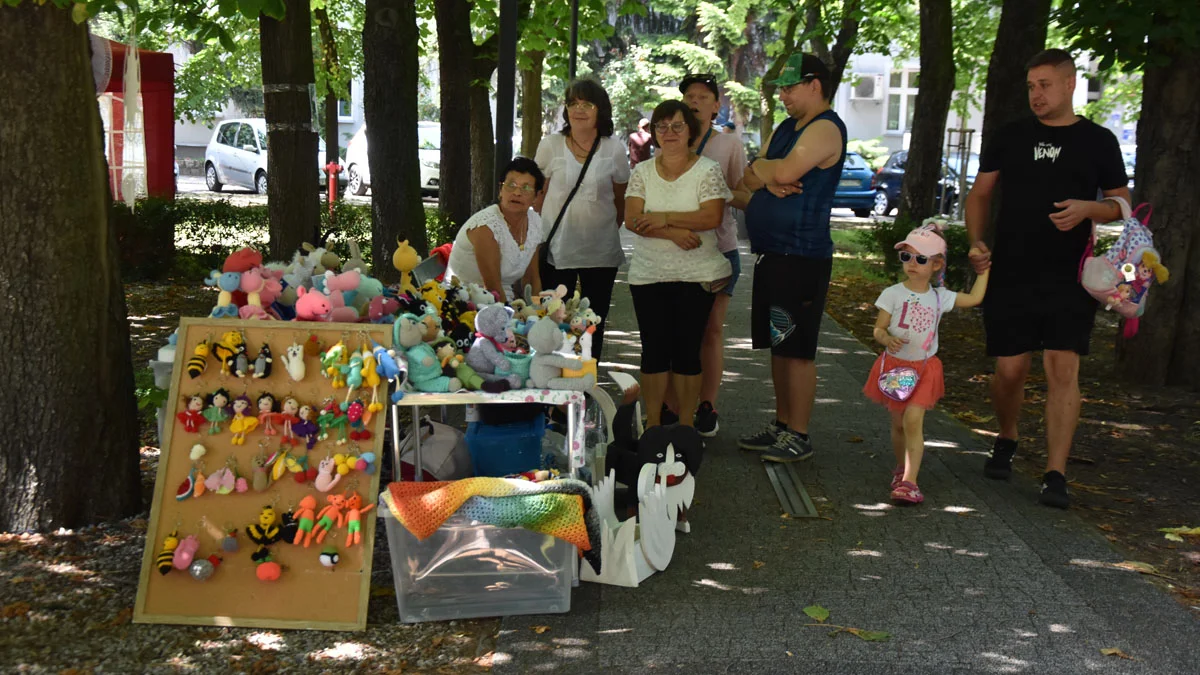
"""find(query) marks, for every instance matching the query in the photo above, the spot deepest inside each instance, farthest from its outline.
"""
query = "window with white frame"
(902, 99)
(345, 108)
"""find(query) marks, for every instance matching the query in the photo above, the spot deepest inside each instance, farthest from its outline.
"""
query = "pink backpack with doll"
(1121, 278)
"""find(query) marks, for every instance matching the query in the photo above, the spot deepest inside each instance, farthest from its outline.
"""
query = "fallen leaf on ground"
(869, 635)
(1134, 566)
(854, 439)
(758, 564)
(1106, 528)
(789, 653)
(1185, 531)
(817, 613)
(1113, 651)
(1171, 536)
(968, 416)
(15, 609)
(540, 629)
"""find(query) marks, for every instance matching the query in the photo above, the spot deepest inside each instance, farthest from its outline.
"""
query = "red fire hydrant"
(332, 170)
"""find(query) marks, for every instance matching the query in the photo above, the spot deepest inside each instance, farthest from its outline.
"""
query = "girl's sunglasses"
(905, 256)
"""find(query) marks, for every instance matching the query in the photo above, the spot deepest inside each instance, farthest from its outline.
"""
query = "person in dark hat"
(792, 186)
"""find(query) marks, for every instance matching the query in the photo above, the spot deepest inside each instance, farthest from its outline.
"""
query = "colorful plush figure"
(354, 416)
(389, 368)
(405, 259)
(434, 294)
(336, 287)
(217, 410)
(226, 350)
(312, 305)
(262, 362)
(332, 361)
(546, 370)
(253, 283)
(305, 518)
(287, 418)
(487, 354)
(242, 423)
(226, 283)
(186, 552)
(331, 418)
(165, 560)
(382, 309)
(293, 361)
(424, 372)
(371, 379)
(307, 428)
(192, 416)
(454, 364)
(266, 530)
(354, 511)
(329, 517)
(327, 475)
(353, 372)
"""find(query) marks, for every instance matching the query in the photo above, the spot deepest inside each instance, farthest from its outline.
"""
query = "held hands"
(980, 257)
(1073, 212)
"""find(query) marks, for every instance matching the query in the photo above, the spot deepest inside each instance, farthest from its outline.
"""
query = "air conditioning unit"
(867, 87)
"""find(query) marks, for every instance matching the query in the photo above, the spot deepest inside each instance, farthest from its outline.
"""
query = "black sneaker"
(668, 417)
(761, 440)
(999, 464)
(706, 420)
(788, 447)
(1054, 490)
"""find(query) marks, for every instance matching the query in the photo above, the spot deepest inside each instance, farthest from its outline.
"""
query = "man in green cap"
(792, 186)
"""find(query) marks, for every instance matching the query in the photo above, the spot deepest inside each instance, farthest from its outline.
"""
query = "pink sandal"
(897, 476)
(907, 493)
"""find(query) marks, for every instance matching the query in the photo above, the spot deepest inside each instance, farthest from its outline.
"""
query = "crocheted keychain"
(217, 410)
(354, 511)
(192, 417)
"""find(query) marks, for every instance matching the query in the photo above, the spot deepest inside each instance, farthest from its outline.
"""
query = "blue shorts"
(735, 262)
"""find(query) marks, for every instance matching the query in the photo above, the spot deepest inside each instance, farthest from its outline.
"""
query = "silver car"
(237, 155)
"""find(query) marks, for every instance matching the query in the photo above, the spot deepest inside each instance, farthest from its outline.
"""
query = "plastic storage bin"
(503, 449)
(467, 570)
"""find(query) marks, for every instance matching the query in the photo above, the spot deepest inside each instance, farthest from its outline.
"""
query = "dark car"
(886, 184)
(854, 190)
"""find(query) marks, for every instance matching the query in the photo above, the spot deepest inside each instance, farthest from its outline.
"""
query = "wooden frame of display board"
(307, 595)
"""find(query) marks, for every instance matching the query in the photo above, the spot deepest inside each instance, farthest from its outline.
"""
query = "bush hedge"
(188, 237)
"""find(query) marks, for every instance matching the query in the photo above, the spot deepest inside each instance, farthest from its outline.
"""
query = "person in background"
(703, 97)
(729, 128)
(639, 143)
(587, 246)
(675, 203)
(497, 247)
(789, 229)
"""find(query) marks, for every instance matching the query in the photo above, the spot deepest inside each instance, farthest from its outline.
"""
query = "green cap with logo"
(802, 68)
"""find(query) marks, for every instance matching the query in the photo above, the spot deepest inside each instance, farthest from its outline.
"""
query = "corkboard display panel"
(307, 595)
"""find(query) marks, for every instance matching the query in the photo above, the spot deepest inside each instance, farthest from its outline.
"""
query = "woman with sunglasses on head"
(584, 202)
(675, 202)
(907, 376)
(497, 247)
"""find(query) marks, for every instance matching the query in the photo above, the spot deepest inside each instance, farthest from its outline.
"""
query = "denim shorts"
(735, 262)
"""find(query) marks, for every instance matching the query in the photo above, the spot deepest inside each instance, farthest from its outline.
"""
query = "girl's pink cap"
(926, 241)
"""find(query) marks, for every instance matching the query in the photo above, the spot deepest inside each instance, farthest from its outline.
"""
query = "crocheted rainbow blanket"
(559, 508)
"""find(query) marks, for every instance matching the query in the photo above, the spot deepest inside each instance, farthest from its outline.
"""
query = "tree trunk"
(70, 455)
(483, 141)
(455, 51)
(329, 61)
(287, 72)
(390, 37)
(1164, 350)
(767, 122)
(1020, 35)
(847, 36)
(923, 171)
(531, 104)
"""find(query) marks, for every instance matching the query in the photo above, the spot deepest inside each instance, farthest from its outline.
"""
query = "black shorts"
(1018, 322)
(788, 303)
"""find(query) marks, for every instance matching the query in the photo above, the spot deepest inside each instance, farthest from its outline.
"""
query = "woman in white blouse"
(675, 203)
(587, 246)
(497, 247)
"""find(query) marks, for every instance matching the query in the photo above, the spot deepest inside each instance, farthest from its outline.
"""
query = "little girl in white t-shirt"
(907, 377)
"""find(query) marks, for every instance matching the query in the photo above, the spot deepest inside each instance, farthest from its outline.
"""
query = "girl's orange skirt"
(930, 388)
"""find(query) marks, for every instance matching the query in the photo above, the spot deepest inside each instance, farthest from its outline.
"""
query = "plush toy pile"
(447, 336)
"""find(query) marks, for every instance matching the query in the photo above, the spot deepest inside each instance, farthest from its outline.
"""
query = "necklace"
(520, 241)
(578, 150)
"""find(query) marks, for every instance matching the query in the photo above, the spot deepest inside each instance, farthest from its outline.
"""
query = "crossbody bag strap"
(563, 211)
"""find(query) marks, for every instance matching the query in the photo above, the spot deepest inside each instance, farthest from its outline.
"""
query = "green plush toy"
(454, 364)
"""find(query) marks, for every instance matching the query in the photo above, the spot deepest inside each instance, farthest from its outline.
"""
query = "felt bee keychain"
(266, 530)
(242, 423)
(198, 363)
(262, 362)
(354, 511)
(192, 416)
(226, 350)
(217, 410)
(165, 560)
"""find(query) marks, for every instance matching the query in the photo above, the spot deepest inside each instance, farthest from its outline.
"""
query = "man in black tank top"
(1052, 167)
(789, 229)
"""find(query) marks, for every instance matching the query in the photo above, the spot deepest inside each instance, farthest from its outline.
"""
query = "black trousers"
(672, 317)
(595, 284)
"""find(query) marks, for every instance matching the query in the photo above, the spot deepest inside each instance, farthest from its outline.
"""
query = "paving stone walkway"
(978, 579)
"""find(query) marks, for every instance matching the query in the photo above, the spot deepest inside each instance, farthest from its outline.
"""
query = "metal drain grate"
(790, 490)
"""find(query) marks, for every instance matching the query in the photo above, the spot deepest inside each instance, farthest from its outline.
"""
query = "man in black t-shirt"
(1053, 169)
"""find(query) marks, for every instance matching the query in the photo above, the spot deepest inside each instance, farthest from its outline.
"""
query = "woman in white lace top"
(675, 203)
(497, 247)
